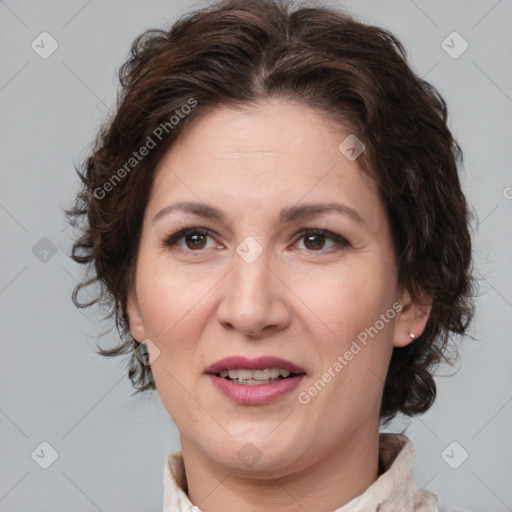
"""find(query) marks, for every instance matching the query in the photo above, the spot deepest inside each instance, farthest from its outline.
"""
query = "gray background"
(111, 448)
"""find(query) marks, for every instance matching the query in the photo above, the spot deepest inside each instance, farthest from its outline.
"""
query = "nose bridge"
(253, 298)
(252, 277)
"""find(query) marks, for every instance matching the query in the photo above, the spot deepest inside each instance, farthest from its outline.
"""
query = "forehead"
(270, 154)
(270, 131)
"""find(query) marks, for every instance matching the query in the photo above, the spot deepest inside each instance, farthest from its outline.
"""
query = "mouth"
(248, 377)
(255, 372)
(255, 392)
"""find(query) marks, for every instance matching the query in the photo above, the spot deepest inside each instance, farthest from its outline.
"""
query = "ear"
(134, 316)
(411, 319)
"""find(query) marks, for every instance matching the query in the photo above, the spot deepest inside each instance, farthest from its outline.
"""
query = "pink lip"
(255, 395)
(260, 363)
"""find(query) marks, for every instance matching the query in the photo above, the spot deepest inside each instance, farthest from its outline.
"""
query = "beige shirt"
(394, 490)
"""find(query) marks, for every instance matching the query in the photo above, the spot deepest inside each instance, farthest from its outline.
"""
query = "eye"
(194, 238)
(315, 239)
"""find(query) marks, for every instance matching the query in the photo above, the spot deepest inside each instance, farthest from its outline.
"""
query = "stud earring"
(411, 335)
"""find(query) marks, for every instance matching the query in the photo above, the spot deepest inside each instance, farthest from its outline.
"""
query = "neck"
(342, 473)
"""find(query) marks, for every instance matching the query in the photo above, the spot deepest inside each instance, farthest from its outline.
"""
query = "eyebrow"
(286, 215)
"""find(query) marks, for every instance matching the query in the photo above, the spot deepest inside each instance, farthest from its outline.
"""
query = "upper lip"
(260, 363)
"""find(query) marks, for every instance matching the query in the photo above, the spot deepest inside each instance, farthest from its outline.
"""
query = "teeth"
(267, 373)
(274, 373)
(252, 382)
(233, 374)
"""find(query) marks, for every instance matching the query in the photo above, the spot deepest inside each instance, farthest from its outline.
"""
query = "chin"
(260, 454)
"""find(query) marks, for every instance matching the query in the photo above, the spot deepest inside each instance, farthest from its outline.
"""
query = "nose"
(254, 299)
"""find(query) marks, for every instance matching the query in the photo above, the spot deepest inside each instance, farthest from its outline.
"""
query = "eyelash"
(340, 242)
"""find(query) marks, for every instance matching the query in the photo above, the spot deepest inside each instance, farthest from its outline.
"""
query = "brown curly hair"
(237, 52)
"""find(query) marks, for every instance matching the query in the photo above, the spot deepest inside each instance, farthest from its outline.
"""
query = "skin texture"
(303, 299)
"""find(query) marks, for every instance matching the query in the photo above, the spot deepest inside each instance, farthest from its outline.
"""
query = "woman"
(275, 216)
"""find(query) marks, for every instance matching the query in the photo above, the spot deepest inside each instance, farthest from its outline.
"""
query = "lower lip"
(257, 394)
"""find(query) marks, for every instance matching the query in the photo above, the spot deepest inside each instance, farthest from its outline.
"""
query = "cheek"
(348, 299)
(169, 296)
(171, 312)
(173, 304)
(349, 304)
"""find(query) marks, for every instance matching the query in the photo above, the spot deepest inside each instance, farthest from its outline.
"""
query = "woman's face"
(257, 283)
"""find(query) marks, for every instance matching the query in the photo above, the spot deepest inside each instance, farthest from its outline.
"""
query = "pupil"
(195, 240)
(314, 245)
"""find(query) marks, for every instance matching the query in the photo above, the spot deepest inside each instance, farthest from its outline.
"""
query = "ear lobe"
(134, 316)
(412, 319)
